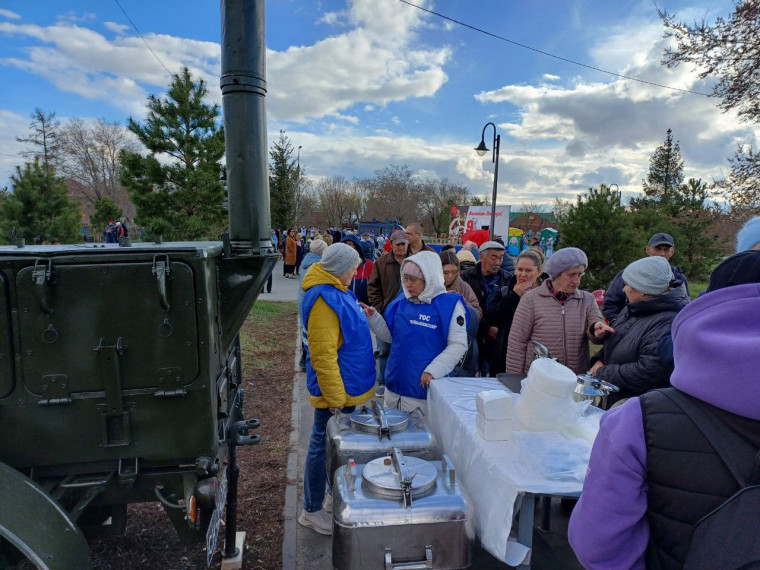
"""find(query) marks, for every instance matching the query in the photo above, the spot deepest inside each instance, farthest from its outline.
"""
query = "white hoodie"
(456, 347)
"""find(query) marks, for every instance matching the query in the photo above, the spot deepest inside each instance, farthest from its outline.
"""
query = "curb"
(290, 511)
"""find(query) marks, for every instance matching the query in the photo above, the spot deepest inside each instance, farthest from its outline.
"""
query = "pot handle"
(420, 565)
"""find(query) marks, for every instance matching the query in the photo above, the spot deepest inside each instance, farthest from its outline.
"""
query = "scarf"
(561, 296)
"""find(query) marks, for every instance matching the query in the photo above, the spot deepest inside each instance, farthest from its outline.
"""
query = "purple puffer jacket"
(715, 345)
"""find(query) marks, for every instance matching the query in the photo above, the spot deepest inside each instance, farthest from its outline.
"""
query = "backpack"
(726, 537)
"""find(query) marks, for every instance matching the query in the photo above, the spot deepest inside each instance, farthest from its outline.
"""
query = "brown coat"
(291, 251)
(384, 282)
(464, 289)
(564, 330)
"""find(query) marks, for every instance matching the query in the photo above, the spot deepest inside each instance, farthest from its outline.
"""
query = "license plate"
(212, 534)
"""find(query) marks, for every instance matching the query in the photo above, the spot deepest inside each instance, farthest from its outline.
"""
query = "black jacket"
(500, 313)
(615, 300)
(630, 354)
(474, 278)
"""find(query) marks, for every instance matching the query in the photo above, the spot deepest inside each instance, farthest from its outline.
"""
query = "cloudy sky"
(363, 84)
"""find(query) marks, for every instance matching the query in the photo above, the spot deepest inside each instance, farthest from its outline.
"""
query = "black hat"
(661, 239)
(736, 270)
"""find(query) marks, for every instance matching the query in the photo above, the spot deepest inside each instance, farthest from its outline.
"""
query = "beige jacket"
(565, 330)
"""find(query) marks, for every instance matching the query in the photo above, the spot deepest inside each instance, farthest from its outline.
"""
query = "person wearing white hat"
(427, 331)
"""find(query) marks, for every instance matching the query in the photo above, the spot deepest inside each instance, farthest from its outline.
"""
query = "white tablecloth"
(493, 473)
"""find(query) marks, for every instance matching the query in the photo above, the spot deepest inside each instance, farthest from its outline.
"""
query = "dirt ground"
(267, 342)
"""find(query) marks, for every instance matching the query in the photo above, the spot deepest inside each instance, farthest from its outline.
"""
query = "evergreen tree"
(105, 210)
(697, 244)
(665, 173)
(283, 182)
(599, 225)
(181, 195)
(39, 207)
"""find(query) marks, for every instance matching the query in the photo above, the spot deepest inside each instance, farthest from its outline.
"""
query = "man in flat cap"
(660, 244)
(486, 279)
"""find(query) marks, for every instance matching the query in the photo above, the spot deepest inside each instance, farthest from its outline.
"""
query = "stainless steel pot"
(591, 388)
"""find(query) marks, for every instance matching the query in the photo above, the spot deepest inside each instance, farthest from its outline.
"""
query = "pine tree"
(181, 195)
(665, 172)
(283, 182)
(696, 243)
(39, 207)
(599, 225)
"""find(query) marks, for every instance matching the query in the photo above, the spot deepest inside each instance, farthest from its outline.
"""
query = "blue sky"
(364, 84)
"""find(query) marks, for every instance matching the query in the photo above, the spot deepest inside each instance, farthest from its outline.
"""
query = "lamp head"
(481, 149)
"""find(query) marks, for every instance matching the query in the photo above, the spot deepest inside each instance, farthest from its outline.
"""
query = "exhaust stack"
(244, 88)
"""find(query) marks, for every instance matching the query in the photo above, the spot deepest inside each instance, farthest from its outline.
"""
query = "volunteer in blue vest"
(340, 365)
(427, 329)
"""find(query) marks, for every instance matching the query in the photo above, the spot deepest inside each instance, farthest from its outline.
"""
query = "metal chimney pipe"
(244, 88)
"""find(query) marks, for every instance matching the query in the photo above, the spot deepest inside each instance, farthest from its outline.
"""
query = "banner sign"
(470, 218)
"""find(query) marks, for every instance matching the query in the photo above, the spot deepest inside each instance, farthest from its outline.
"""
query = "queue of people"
(655, 470)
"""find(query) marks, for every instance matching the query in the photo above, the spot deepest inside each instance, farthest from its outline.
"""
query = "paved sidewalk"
(282, 289)
(304, 549)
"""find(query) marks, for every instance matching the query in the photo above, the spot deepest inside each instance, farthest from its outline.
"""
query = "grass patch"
(260, 351)
(696, 287)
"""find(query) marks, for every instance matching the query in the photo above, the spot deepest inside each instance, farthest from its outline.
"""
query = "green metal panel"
(63, 321)
(53, 541)
(6, 349)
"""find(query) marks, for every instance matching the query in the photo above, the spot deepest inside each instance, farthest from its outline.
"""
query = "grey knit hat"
(339, 258)
(650, 275)
(565, 258)
(317, 246)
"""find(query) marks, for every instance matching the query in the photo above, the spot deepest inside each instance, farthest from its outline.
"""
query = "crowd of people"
(474, 312)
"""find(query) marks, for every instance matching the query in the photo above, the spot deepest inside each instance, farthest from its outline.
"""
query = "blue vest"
(420, 333)
(356, 358)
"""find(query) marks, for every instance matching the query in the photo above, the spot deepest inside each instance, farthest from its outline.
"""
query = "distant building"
(532, 222)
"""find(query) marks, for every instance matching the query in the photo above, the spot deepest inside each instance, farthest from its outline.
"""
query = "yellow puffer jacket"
(325, 338)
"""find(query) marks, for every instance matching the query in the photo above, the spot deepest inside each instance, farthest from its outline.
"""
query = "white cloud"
(588, 133)
(8, 14)
(374, 61)
(12, 125)
(550, 77)
(120, 29)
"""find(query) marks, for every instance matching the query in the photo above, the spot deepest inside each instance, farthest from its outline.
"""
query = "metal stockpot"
(372, 431)
(594, 389)
(400, 512)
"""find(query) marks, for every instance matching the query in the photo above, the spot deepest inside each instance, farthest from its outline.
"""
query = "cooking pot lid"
(383, 478)
(365, 418)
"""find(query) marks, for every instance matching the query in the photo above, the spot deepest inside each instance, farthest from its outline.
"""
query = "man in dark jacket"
(661, 245)
(630, 358)
(486, 279)
(384, 285)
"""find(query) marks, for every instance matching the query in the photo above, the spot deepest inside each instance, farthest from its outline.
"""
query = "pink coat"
(564, 330)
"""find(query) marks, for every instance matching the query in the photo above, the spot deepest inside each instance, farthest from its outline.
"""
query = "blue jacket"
(414, 347)
(355, 356)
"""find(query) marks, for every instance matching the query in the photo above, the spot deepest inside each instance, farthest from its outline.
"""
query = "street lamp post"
(482, 149)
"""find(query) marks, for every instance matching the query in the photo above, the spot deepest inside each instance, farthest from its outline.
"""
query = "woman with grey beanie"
(340, 366)
(629, 358)
(558, 315)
